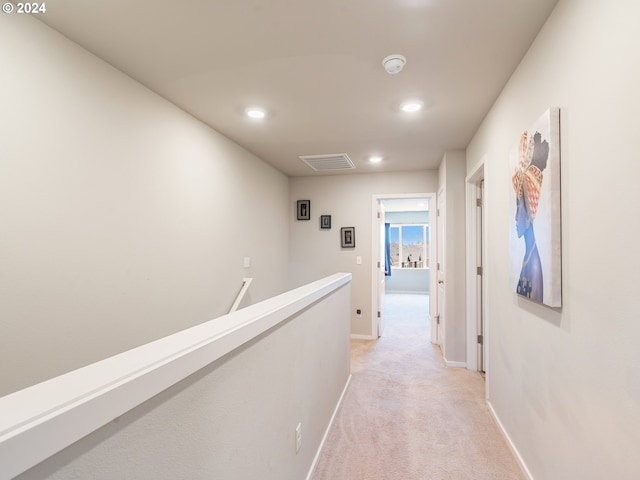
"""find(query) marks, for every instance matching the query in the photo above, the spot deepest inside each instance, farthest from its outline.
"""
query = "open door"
(382, 207)
(381, 269)
(438, 329)
(480, 352)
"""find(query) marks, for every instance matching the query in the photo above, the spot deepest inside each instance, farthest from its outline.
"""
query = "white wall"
(408, 280)
(564, 382)
(452, 180)
(123, 218)
(235, 418)
(316, 253)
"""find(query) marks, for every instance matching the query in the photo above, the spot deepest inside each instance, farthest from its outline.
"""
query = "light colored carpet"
(407, 416)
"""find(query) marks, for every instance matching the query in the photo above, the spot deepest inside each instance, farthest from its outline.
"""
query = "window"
(409, 245)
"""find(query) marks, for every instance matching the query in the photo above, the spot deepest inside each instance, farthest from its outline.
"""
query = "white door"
(480, 278)
(381, 269)
(440, 269)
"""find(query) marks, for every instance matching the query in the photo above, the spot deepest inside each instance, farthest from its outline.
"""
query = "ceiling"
(315, 66)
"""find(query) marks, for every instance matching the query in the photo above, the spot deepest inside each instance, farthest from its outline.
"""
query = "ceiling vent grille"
(323, 163)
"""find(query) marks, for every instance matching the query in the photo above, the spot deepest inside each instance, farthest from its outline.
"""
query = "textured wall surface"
(235, 418)
(564, 382)
(123, 218)
(316, 253)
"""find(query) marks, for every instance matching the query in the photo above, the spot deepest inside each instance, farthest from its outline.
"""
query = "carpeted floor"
(407, 416)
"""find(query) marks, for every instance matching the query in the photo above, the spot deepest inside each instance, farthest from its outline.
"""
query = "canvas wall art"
(535, 243)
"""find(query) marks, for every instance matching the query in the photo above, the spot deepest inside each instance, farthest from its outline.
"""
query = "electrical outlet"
(298, 437)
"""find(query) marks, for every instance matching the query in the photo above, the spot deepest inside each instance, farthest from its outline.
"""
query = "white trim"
(374, 270)
(376, 197)
(472, 179)
(487, 286)
(362, 337)
(514, 450)
(438, 334)
(326, 432)
(449, 363)
(49, 416)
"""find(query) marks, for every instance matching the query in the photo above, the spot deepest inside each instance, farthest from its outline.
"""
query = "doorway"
(409, 266)
(477, 339)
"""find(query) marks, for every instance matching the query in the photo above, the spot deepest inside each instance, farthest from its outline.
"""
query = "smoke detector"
(394, 63)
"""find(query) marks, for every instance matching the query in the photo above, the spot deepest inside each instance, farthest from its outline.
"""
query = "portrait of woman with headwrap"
(535, 243)
(533, 153)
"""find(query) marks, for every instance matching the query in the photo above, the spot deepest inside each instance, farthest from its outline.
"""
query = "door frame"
(380, 272)
(438, 328)
(472, 180)
(376, 246)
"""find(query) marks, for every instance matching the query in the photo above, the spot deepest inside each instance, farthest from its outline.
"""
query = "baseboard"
(449, 363)
(362, 337)
(326, 432)
(512, 447)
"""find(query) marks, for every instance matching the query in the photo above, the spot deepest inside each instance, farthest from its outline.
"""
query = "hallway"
(407, 416)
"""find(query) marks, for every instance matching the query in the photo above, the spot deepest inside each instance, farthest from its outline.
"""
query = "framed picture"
(348, 237)
(325, 222)
(535, 244)
(303, 209)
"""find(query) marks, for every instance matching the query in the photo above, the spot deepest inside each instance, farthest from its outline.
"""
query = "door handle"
(440, 281)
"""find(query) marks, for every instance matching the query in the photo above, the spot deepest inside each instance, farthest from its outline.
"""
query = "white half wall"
(408, 280)
(235, 418)
(316, 253)
(564, 382)
(123, 218)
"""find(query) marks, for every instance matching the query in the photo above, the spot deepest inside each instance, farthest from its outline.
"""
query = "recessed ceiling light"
(412, 106)
(375, 159)
(255, 112)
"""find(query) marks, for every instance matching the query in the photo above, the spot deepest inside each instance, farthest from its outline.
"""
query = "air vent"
(323, 163)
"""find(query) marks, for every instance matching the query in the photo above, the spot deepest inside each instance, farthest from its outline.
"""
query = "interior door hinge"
(379, 315)
(480, 339)
(478, 202)
(378, 264)
(437, 319)
(378, 214)
(479, 270)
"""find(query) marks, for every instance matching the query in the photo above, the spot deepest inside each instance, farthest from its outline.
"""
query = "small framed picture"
(303, 209)
(325, 222)
(348, 237)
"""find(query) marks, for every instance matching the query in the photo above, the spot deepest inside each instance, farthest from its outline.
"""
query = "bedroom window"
(409, 245)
